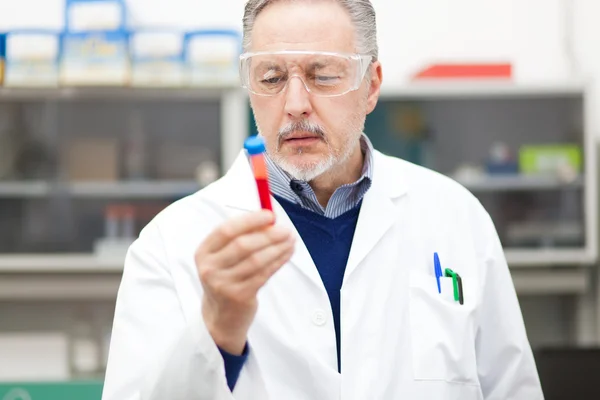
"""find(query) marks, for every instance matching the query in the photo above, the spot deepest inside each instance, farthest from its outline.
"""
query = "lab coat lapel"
(301, 258)
(378, 212)
(241, 195)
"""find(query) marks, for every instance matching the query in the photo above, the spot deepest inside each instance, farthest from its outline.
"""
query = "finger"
(270, 270)
(246, 245)
(235, 227)
(213, 266)
(258, 261)
(248, 288)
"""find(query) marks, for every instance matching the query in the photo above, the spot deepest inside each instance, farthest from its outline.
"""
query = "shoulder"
(431, 193)
(421, 181)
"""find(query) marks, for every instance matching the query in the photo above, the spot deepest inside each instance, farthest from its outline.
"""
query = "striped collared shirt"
(345, 198)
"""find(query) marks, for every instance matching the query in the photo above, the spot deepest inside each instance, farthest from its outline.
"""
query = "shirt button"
(319, 317)
(296, 187)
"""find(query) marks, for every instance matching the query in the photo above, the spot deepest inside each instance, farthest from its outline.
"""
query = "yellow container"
(2, 56)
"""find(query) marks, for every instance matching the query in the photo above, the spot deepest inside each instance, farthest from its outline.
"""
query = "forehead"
(303, 25)
(306, 60)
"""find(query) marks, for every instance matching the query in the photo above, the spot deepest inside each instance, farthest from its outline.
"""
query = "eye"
(272, 81)
(327, 79)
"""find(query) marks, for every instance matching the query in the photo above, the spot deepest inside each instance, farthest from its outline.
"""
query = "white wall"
(412, 33)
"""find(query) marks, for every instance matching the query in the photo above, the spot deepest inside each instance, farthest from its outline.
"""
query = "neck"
(348, 172)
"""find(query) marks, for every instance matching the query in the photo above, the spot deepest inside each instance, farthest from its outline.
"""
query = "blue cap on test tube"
(255, 145)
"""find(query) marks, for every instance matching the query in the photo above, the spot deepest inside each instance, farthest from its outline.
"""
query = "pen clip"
(461, 295)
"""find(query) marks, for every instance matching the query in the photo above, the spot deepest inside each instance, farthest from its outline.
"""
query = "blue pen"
(438, 270)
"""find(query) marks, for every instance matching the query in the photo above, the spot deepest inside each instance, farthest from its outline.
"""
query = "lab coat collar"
(376, 215)
(388, 181)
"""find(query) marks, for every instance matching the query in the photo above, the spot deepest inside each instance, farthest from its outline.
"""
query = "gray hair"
(361, 13)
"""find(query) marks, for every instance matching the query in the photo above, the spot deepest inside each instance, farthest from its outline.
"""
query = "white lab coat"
(401, 339)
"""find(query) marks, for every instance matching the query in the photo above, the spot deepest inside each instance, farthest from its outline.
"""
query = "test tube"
(128, 216)
(255, 146)
(111, 222)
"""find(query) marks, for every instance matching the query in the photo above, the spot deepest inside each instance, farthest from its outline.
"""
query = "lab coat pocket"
(442, 330)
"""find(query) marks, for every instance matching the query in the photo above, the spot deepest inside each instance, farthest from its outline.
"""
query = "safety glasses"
(323, 74)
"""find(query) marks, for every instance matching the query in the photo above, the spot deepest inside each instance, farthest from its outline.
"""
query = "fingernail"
(267, 215)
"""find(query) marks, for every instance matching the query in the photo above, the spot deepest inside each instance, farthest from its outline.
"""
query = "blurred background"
(110, 110)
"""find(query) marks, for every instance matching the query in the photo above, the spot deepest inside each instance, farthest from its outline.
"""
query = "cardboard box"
(92, 159)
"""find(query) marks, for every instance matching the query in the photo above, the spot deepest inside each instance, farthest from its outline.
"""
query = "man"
(335, 295)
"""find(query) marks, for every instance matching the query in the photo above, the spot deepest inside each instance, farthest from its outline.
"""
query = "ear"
(375, 87)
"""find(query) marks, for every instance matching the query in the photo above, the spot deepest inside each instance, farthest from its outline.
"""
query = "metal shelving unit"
(86, 276)
(526, 263)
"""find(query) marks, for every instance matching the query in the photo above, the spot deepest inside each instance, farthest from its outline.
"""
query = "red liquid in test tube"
(255, 146)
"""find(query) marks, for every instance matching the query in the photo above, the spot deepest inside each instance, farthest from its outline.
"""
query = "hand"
(233, 263)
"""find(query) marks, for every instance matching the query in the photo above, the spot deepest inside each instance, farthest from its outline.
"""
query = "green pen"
(457, 284)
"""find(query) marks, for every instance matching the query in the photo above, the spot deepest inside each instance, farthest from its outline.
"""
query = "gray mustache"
(301, 126)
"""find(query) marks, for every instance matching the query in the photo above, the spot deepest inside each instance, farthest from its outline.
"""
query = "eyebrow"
(269, 65)
(317, 64)
(320, 65)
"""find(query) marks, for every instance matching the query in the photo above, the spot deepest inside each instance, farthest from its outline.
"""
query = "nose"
(297, 99)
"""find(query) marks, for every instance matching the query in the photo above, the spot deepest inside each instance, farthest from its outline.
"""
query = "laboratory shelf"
(112, 93)
(147, 189)
(518, 183)
(525, 258)
(80, 263)
(457, 89)
(41, 277)
(551, 282)
(159, 189)
(140, 189)
(24, 189)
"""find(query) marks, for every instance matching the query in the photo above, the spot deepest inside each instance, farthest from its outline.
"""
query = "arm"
(506, 366)
(158, 352)
(233, 365)
(155, 353)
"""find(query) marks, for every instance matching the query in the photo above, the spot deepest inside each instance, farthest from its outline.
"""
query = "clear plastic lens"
(323, 74)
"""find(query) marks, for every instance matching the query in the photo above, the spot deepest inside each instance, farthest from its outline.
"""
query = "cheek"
(266, 115)
(340, 115)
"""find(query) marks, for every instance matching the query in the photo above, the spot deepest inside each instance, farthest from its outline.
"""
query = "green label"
(51, 391)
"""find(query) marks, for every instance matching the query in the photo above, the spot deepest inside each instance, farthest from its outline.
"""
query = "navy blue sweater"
(328, 241)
